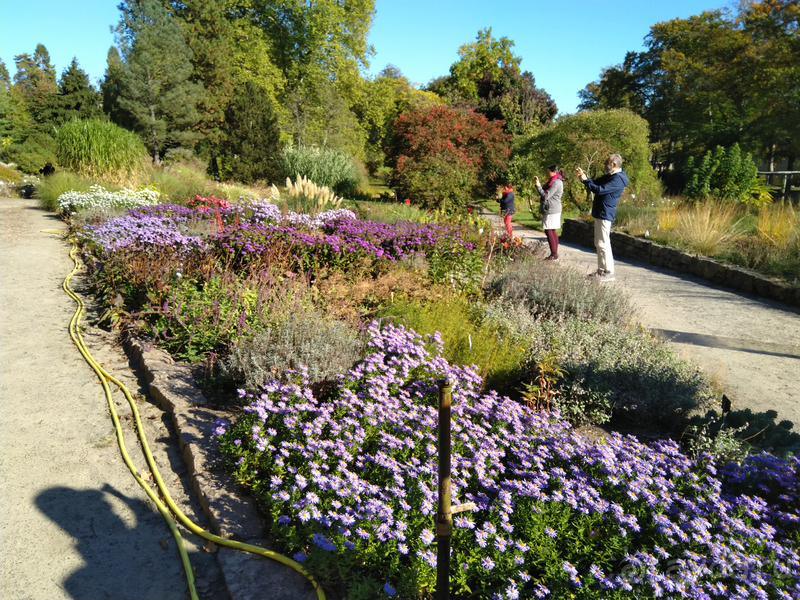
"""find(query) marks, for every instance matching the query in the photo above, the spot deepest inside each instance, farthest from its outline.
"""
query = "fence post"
(444, 517)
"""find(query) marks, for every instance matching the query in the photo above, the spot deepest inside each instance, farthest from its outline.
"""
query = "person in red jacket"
(507, 208)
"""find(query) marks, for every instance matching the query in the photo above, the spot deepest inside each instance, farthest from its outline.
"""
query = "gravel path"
(748, 344)
(73, 521)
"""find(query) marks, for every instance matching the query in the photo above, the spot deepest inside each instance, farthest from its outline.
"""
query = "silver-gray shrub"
(325, 347)
(613, 370)
(324, 166)
(552, 292)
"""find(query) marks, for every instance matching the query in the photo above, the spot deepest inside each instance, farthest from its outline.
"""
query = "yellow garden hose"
(105, 377)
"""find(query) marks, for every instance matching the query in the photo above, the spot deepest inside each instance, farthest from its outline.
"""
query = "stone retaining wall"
(627, 246)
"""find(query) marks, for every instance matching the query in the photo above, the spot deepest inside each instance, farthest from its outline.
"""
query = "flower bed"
(350, 487)
(99, 198)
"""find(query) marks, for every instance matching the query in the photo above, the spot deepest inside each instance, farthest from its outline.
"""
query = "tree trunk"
(156, 157)
(771, 163)
(214, 163)
(787, 179)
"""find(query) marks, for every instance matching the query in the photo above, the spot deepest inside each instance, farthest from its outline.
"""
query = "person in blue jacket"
(607, 190)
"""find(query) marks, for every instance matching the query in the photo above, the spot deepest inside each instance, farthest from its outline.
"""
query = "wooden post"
(444, 517)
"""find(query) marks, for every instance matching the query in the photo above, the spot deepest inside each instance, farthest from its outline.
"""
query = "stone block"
(739, 279)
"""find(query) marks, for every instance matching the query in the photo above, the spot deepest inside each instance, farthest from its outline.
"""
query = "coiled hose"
(105, 377)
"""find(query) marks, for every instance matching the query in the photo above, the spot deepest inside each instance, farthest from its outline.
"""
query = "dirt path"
(749, 344)
(73, 521)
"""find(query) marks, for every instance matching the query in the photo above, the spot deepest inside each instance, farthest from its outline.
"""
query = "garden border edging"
(737, 278)
(232, 512)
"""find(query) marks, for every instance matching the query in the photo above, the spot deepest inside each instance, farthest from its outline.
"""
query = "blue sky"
(564, 44)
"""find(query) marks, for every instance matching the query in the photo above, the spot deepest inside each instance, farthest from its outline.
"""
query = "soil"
(73, 522)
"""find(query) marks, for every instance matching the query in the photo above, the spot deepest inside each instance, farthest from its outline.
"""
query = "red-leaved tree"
(443, 156)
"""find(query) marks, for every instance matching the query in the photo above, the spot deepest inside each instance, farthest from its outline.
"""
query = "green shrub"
(723, 174)
(612, 371)
(468, 340)
(554, 293)
(325, 167)
(53, 186)
(31, 154)
(741, 432)
(325, 347)
(10, 174)
(101, 150)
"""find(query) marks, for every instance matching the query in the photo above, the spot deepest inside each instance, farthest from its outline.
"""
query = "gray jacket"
(550, 204)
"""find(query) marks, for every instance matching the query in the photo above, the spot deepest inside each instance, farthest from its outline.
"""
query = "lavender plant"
(349, 486)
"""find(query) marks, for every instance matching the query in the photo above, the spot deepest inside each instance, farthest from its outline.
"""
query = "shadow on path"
(728, 343)
(119, 561)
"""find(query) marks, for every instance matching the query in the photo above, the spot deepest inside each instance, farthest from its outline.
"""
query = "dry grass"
(705, 228)
(777, 224)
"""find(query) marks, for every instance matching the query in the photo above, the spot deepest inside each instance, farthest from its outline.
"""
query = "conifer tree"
(154, 85)
(251, 149)
(77, 99)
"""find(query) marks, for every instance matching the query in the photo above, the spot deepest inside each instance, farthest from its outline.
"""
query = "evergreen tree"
(78, 99)
(111, 90)
(209, 34)
(154, 85)
(252, 147)
(35, 81)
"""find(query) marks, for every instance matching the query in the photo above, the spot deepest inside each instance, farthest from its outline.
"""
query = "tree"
(15, 121)
(487, 79)
(155, 88)
(35, 81)
(209, 35)
(380, 101)
(77, 98)
(585, 139)
(444, 156)
(713, 80)
(251, 149)
(324, 35)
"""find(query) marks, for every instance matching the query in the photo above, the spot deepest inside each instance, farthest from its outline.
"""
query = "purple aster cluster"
(339, 242)
(556, 515)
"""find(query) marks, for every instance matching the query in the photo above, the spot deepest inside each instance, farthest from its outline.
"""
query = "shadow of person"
(122, 542)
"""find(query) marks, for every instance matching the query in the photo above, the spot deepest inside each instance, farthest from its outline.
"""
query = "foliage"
(31, 154)
(155, 90)
(9, 174)
(611, 371)
(324, 166)
(209, 35)
(723, 174)
(585, 139)
(305, 339)
(466, 339)
(251, 149)
(77, 98)
(444, 156)
(713, 80)
(554, 293)
(740, 433)
(379, 102)
(100, 149)
(487, 77)
(348, 487)
(706, 228)
(52, 187)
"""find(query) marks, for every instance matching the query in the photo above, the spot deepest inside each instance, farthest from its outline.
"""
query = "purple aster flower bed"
(341, 241)
(330, 239)
(350, 485)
